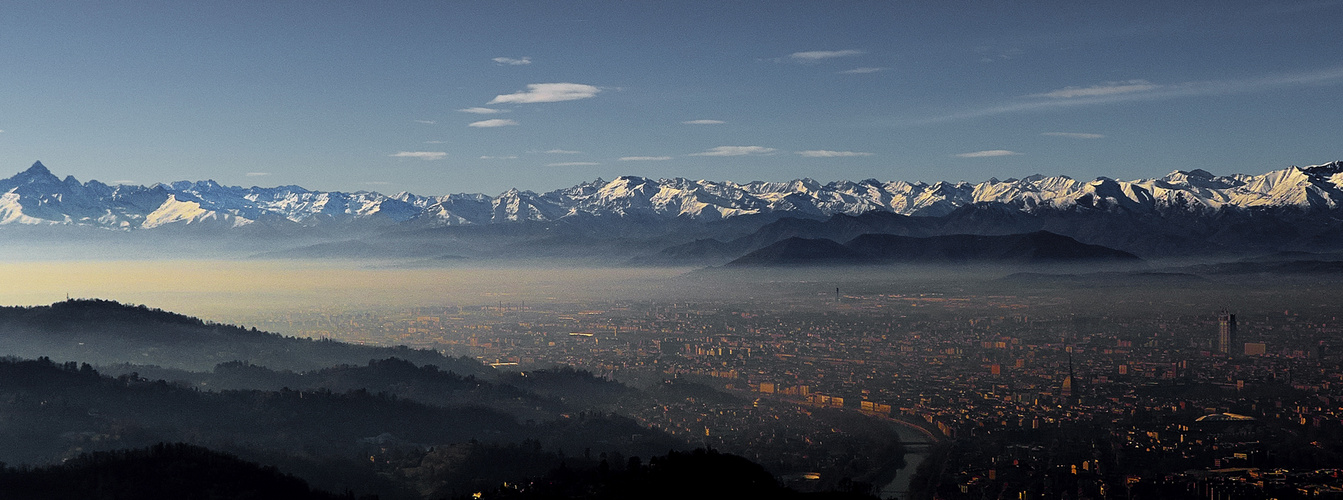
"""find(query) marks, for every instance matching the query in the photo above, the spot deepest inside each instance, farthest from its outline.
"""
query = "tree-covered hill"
(104, 332)
(162, 471)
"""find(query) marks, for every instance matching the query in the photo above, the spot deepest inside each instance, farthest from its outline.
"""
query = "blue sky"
(462, 96)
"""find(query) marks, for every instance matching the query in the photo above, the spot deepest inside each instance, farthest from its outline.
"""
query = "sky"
(483, 96)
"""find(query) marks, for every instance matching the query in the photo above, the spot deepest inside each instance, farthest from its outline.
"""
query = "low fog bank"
(76, 243)
(226, 289)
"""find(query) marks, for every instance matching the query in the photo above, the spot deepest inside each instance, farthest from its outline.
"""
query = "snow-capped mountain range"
(37, 197)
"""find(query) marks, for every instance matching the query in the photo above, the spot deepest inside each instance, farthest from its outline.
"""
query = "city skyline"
(439, 98)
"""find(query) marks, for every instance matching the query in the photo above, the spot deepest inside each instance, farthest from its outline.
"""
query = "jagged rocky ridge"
(37, 197)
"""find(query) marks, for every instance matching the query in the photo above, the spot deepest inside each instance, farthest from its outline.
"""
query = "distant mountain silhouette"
(1040, 247)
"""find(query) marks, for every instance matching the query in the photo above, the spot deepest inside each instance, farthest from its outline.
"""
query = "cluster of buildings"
(1030, 395)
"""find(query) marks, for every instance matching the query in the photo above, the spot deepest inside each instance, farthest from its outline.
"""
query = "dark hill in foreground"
(1040, 247)
(105, 332)
(52, 412)
(162, 471)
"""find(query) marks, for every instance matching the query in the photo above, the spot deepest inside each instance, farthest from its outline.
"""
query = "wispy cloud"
(435, 142)
(1109, 88)
(423, 155)
(1057, 99)
(496, 122)
(563, 152)
(704, 122)
(736, 151)
(509, 157)
(862, 71)
(510, 61)
(818, 55)
(573, 164)
(645, 158)
(988, 153)
(1073, 135)
(992, 54)
(548, 92)
(377, 183)
(825, 153)
(426, 122)
(257, 174)
(482, 111)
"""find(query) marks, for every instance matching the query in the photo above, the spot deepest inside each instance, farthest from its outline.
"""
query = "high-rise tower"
(1226, 332)
(1069, 391)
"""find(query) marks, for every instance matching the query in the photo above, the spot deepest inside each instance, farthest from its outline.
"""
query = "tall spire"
(1069, 391)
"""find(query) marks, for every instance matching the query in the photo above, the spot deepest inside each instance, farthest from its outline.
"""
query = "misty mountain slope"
(702, 251)
(1253, 231)
(1036, 247)
(1040, 247)
(106, 332)
(802, 251)
(840, 227)
(425, 384)
(56, 411)
(100, 412)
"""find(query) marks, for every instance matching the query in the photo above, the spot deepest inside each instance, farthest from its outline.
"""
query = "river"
(918, 445)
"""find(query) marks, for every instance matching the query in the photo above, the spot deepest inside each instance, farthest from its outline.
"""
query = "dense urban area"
(1072, 393)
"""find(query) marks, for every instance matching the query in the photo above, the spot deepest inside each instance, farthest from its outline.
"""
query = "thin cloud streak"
(704, 122)
(1099, 90)
(988, 153)
(509, 61)
(1073, 135)
(423, 155)
(1332, 76)
(548, 92)
(497, 122)
(861, 71)
(482, 111)
(736, 151)
(824, 153)
(817, 55)
(257, 174)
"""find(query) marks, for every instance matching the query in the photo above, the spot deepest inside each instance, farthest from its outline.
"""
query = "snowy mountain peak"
(1324, 171)
(36, 196)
